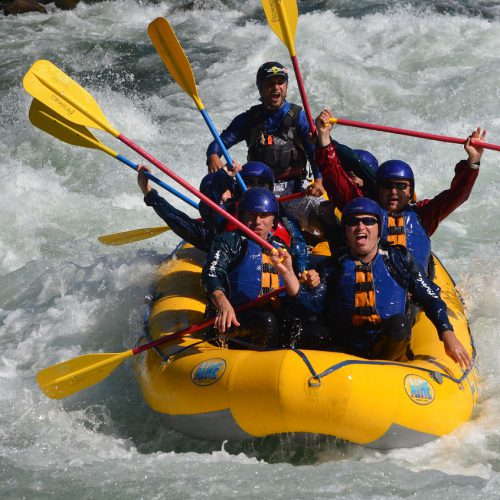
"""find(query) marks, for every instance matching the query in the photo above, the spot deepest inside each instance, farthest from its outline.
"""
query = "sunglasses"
(367, 221)
(256, 182)
(400, 186)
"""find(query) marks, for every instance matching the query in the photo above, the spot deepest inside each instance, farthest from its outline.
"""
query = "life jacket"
(283, 151)
(406, 229)
(364, 294)
(254, 275)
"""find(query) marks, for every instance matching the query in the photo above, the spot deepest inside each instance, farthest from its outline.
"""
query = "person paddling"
(238, 270)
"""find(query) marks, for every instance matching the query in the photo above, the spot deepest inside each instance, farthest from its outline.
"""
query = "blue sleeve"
(298, 246)
(425, 292)
(222, 256)
(314, 299)
(232, 135)
(191, 230)
(308, 145)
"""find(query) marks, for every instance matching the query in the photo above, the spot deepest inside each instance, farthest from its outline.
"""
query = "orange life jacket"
(364, 297)
(396, 230)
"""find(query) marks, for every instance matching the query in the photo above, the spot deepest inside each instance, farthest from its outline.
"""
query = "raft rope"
(316, 377)
(436, 375)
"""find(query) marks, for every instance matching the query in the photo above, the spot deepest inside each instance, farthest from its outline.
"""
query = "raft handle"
(437, 377)
(314, 382)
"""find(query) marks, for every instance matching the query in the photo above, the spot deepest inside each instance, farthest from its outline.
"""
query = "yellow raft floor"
(225, 394)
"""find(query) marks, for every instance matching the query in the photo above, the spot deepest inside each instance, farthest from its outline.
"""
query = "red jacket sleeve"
(338, 185)
(433, 211)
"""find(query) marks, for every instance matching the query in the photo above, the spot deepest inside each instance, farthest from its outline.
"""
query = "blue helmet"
(395, 169)
(258, 169)
(367, 158)
(360, 206)
(258, 200)
(206, 182)
(268, 70)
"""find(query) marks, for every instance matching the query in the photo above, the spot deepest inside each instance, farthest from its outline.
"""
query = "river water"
(428, 66)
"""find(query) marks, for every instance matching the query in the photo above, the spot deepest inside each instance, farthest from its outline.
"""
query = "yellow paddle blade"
(51, 86)
(168, 47)
(282, 16)
(56, 125)
(131, 236)
(71, 376)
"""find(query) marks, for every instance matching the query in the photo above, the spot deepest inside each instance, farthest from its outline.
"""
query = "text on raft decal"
(419, 390)
(208, 372)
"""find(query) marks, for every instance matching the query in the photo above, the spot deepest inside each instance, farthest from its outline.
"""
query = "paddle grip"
(225, 152)
(197, 193)
(196, 328)
(151, 177)
(414, 133)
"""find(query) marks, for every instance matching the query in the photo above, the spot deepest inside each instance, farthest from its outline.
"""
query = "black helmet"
(270, 69)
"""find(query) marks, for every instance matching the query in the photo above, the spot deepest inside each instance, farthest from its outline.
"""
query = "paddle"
(68, 377)
(173, 56)
(55, 89)
(413, 133)
(149, 232)
(282, 16)
(133, 235)
(57, 126)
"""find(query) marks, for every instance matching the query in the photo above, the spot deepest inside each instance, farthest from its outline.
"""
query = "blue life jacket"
(411, 229)
(252, 277)
(389, 299)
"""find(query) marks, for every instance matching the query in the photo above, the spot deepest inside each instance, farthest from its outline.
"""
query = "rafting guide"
(277, 133)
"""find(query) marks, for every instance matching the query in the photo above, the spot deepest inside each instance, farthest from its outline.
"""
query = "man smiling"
(276, 132)
(363, 294)
(406, 222)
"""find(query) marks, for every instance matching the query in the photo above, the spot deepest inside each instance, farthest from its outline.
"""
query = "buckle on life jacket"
(365, 286)
(269, 268)
(364, 311)
(362, 267)
(391, 230)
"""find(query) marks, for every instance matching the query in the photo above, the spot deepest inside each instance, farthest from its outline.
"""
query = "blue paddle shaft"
(151, 177)
(228, 158)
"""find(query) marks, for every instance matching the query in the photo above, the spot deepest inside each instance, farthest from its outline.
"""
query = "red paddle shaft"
(197, 193)
(195, 328)
(413, 133)
(303, 96)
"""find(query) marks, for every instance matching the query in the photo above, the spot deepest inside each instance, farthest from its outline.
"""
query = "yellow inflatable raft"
(223, 394)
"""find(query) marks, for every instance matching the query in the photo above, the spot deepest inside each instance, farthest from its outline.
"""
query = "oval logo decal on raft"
(419, 390)
(208, 372)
